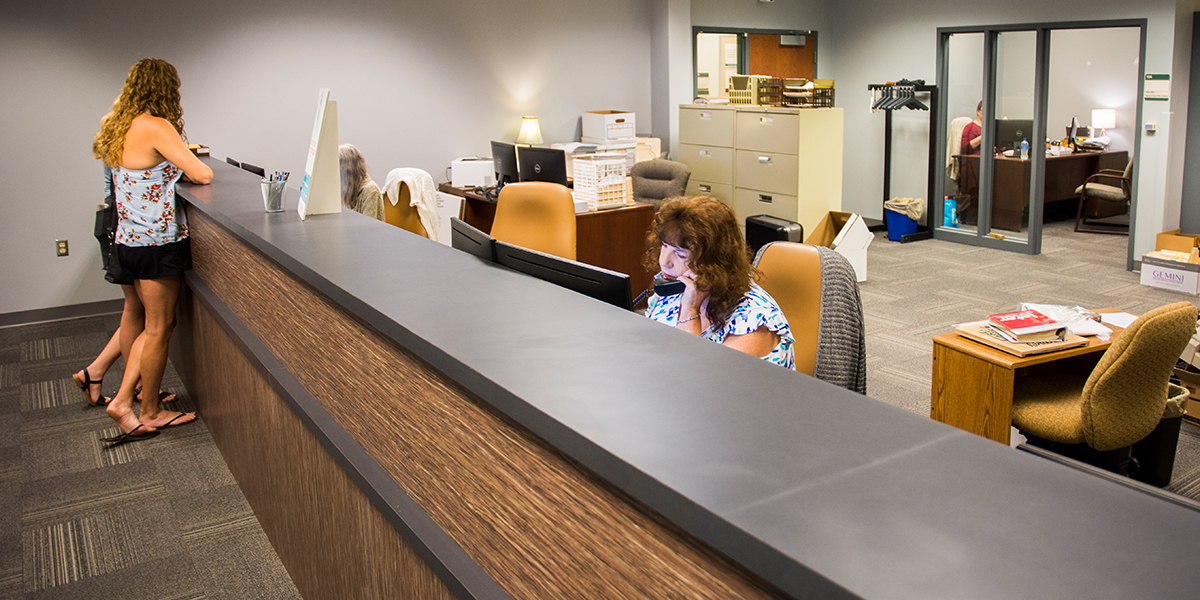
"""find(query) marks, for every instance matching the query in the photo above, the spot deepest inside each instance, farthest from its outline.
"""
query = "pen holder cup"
(272, 192)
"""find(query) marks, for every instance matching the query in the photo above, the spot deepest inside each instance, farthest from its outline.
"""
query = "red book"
(1024, 322)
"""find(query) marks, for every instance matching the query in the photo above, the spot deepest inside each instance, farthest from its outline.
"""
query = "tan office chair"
(536, 215)
(403, 214)
(1096, 416)
(658, 179)
(818, 292)
(1091, 191)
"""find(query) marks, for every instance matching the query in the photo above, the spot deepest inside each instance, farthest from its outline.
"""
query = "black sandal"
(128, 437)
(85, 383)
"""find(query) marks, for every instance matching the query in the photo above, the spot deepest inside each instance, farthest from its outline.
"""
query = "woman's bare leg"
(159, 296)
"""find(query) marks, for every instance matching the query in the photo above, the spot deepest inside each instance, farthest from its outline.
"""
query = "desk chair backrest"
(536, 215)
(954, 144)
(817, 289)
(1124, 397)
(658, 179)
(402, 213)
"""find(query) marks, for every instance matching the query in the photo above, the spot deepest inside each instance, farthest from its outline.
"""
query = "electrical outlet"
(61, 246)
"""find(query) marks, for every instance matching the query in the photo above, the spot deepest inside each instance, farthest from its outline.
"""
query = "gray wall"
(417, 84)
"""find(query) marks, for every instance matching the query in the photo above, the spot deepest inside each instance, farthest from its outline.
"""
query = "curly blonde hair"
(720, 258)
(152, 86)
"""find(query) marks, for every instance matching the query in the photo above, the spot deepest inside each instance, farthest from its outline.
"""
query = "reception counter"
(409, 421)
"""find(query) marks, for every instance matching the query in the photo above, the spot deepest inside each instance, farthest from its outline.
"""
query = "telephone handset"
(668, 287)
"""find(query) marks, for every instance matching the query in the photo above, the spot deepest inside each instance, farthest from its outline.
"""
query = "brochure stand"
(320, 192)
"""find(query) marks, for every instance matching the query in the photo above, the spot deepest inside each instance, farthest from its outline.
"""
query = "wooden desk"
(614, 239)
(1010, 195)
(973, 383)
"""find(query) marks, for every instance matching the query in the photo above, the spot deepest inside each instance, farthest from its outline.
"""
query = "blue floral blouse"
(146, 206)
(757, 309)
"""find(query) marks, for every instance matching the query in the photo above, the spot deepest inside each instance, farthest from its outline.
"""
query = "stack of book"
(1021, 333)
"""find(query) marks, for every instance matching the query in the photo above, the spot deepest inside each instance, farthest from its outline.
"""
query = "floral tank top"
(146, 209)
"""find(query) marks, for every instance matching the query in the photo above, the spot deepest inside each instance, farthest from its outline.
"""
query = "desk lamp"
(1103, 118)
(531, 132)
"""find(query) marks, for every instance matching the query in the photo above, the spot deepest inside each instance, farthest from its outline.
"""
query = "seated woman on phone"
(697, 242)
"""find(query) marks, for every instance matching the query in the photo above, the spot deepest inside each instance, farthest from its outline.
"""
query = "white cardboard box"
(848, 235)
(609, 126)
(1170, 275)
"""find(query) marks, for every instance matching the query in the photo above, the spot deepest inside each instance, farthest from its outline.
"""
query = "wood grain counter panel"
(537, 522)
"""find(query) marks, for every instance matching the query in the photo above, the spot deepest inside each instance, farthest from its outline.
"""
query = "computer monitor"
(543, 164)
(1010, 132)
(472, 241)
(601, 284)
(504, 160)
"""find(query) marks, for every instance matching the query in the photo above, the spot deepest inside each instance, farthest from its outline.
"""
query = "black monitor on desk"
(1010, 132)
(504, 160)
(543, 164)
(472, 241)
(601, 284)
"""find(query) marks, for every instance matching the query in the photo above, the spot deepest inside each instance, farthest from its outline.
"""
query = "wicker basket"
(600, 180)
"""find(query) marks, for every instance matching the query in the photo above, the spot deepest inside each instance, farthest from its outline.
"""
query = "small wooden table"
(613, 239)
(973, 383)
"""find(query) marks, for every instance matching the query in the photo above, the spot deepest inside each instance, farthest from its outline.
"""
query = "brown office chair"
(403, 214)
(818, 292)
(658, 179)
(1095, 417)
(1102, 193)
(536, 215)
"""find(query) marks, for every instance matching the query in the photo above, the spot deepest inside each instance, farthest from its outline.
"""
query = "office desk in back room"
(1010, 199)
(613, 239)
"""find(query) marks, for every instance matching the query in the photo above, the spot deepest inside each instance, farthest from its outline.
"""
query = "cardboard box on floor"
(848, 235)
(1163, 272)
(1174, 240)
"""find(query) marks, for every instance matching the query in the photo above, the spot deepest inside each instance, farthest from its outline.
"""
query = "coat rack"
(903, 95)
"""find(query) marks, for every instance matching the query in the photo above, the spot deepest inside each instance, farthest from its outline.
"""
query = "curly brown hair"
(152, 86)
(720, 258)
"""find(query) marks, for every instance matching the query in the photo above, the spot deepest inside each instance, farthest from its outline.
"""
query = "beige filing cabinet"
(784, 162)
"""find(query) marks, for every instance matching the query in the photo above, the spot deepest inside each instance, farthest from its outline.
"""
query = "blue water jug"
(950, 213)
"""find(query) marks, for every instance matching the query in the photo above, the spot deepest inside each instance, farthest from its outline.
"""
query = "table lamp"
(1103, 118)
(531, 132)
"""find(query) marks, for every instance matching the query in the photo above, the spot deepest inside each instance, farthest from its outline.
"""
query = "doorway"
(1010, 84)
(721, 52)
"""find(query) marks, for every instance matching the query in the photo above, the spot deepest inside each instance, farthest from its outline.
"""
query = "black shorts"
(154, 262)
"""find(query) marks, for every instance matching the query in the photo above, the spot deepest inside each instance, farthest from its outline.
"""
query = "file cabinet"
(783, 162)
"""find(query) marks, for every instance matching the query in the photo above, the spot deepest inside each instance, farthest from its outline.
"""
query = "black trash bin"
(1155, 453)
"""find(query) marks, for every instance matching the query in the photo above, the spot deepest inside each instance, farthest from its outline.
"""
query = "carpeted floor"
(917, 290)
(160, 518)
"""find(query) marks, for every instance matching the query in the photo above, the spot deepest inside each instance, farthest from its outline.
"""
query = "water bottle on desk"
(1024, 149)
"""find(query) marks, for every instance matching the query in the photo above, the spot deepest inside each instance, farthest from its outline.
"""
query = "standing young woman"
(143, 144)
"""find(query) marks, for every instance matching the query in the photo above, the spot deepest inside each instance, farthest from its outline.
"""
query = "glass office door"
(997, 195)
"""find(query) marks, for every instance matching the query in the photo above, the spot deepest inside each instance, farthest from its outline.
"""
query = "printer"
(471, 171)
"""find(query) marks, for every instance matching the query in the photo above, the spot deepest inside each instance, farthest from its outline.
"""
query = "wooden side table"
(973, 383)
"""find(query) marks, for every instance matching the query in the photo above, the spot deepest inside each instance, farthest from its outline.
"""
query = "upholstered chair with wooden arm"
(1095, 416)
(818, 292)
(1107, 186)
(536, 215)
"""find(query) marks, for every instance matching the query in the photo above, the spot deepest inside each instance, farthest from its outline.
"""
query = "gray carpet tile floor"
(160, 518)
(164, 518)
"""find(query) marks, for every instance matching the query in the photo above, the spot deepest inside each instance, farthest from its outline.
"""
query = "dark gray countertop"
(821, 491)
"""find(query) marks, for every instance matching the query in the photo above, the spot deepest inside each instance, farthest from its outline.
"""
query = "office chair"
(402, 213)
(658, 179)
(1104, 193)
(1096, 416)
(818, 292)
(233, 162)
(536, 215)
(253, 169)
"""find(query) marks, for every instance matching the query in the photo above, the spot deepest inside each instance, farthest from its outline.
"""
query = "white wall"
(882, 40)
(417, 84)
